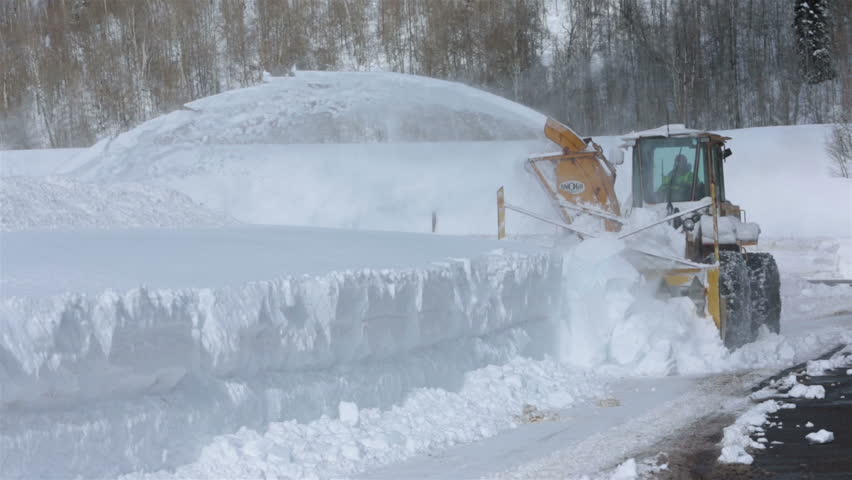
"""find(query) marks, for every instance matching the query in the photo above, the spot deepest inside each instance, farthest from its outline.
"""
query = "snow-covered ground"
(248, 351)
(56, 203)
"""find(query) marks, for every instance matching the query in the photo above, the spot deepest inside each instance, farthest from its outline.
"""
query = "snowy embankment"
(153, 372)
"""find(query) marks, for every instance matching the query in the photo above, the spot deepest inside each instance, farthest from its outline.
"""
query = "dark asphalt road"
(795, 458)
(693, 453)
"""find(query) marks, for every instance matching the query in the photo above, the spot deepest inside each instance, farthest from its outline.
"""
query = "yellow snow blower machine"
(678, 176)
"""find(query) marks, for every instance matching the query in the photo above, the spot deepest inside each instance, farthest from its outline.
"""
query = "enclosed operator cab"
(674, 167)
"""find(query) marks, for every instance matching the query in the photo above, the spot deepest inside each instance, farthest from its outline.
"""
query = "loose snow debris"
(840, 359)
(625, 471)
(822, 436)
(809, 424)
(807, 391)
(793, 388)
(738, 436)
(348, 413)
(427, 420)
(608, 318)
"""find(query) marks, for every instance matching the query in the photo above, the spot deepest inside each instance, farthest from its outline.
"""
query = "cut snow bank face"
(156, 373)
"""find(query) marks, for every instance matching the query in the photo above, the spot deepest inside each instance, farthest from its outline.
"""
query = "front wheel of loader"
(765, 286)
(735, 288)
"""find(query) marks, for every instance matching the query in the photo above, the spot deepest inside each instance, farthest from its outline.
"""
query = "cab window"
(669, 168)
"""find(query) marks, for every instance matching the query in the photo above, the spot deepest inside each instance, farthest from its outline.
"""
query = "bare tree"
(839, 148)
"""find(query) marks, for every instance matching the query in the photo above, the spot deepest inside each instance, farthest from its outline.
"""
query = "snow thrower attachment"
(678, 175)
(579, 180)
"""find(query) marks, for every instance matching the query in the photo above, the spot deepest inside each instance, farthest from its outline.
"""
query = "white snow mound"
(330, 149)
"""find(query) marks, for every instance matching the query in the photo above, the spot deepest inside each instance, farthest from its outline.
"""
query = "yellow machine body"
(580, 180)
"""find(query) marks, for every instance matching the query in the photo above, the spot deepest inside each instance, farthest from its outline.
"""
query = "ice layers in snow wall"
(111, 383)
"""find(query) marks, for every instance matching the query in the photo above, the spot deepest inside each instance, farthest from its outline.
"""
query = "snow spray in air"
(610, 315)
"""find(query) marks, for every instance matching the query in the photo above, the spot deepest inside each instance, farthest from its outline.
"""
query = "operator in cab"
(679, 180)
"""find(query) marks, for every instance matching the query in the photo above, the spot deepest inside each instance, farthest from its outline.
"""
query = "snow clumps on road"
(610, 317)
(737, 437)
(822, 436)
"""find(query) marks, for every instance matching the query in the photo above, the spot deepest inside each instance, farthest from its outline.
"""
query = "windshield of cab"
(673, 169)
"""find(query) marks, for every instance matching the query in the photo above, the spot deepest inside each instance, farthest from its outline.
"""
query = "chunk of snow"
(807, 391)
(731, 230)
(625, 471)
(809, 425)
(822, 436)
(348, 413)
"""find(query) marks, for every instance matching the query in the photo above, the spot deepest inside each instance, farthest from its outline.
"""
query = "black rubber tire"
(735, 287)
(765, 283)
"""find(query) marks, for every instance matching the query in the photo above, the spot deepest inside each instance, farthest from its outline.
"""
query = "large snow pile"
(353, 150)
(49, 203)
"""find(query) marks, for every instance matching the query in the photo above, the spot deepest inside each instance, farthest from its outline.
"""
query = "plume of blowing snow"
(609, 316)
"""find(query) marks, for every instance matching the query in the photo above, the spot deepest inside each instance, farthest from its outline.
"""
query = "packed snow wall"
(110, 383)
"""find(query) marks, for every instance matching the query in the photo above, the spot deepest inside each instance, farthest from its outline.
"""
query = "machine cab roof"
(675, 130)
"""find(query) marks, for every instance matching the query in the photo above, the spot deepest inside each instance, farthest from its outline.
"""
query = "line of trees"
(72, 71)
